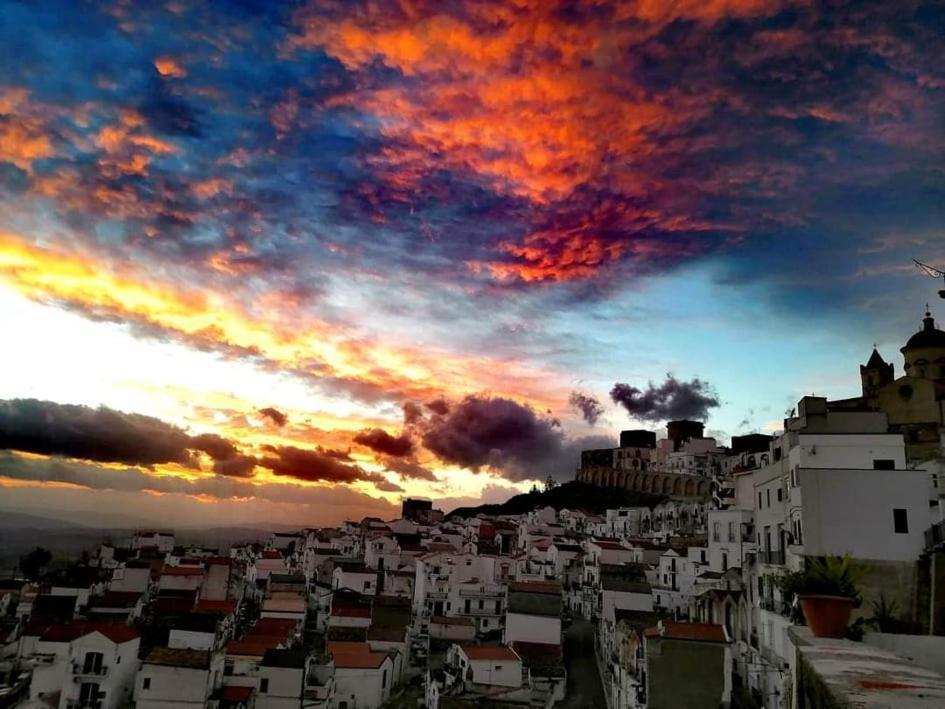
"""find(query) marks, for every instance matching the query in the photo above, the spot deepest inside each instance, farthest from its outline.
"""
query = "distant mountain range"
(572, 495)
(68, 533)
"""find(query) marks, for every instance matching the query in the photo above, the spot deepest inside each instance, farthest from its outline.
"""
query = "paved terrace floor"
(862, 676)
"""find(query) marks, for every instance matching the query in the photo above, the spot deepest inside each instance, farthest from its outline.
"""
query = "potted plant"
(826, 589)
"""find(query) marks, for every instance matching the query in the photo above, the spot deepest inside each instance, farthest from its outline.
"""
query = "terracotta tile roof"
(355, 655)
(703, 632)
(67, 632)
(351, 611)
(611, 546)
(232, 693)
(182, 571)
(347, 647)
(179, 657)
(549, 587)
(537, 651)
(116, 599)
(271, 554)
(489, 652)
(224, 607)
(386, 634)
(252, 646)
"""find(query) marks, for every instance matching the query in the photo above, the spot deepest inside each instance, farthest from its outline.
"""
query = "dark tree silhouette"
(33, 564)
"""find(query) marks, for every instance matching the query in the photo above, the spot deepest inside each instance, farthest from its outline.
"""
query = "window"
(384, 680)
(768, 496)
(900, 521)
(498, 668)
(93, 663)
(146, 683)
(264, 685)
(884, 464)
(731, 531)
(760, 503)
(780, 494)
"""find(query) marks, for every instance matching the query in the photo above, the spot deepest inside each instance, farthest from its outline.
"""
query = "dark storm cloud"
(95, 477)
(319, 466)
(381, 441)
(672, 399)
(439, 406)
(412, 412)
(408, 469)
(509, 437)
(276, 416)
(109, 436)
(586, 405)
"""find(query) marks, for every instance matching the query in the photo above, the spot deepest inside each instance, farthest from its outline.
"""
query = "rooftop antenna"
(931, 272)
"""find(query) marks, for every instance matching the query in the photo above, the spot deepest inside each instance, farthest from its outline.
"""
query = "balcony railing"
(483, 591)
(80, 669)
(480, 612)
(935, 535)
(771, 556)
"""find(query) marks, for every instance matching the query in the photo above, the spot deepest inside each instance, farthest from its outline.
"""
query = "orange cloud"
(23, 137)
(289, 340)
(531, 104)
(169, 66)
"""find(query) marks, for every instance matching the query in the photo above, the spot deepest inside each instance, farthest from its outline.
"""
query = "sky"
(291, 262)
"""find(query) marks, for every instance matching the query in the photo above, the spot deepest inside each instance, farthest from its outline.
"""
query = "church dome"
(928, 336)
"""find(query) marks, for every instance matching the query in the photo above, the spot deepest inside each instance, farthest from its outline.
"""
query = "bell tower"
(874, 375)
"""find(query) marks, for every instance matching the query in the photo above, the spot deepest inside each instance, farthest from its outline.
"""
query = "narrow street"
(584, 687)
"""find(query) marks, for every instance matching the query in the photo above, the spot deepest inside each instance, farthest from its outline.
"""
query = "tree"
(550, 483)
(34, 564)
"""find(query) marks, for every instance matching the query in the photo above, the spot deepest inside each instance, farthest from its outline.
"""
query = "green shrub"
(824, 576)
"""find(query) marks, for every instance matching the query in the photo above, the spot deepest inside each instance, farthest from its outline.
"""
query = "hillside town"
(679, 601)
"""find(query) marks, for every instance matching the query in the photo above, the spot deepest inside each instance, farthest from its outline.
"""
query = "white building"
(170, 678)
(495, 665)
(80, 664)
(534, 613)
(282, 678)
(363, 678)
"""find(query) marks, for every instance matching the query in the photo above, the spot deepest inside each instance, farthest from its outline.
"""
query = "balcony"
(492, 591)
(480, 612)
(935, 535)
(81, 670)
(771, 556)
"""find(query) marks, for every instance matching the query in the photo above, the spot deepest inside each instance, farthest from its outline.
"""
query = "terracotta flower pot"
(827, 616)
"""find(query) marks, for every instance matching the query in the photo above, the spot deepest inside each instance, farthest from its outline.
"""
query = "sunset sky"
(289, 262)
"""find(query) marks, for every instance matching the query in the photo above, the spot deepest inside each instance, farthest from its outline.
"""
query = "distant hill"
(10, 519)
(572, 495)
